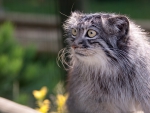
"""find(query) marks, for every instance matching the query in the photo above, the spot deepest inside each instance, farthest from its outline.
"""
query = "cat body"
(110, 71)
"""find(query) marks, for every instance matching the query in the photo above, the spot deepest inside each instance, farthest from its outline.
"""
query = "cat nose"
(79, 44)
(74, 46)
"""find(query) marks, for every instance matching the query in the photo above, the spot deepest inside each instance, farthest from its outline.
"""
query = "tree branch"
(7, 106)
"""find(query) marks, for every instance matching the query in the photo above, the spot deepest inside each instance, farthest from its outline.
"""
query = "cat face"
(96, 35)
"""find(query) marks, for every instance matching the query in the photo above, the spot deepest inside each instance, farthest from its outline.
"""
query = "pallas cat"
(109, 64)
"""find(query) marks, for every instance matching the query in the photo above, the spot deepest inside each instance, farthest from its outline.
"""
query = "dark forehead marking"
(91, 18)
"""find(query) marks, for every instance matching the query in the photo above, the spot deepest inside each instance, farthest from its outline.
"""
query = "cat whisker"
(63, 14)
(72, 7)
(59, 56)
(62, 57)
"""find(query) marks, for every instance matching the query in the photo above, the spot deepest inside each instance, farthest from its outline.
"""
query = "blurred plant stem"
(15, 89)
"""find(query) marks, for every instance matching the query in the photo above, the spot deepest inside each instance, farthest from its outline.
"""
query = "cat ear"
(118, 25)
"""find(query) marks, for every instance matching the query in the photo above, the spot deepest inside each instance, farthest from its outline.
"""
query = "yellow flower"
(44, 107)
(61, 101)
(39, 95)
(47, 102)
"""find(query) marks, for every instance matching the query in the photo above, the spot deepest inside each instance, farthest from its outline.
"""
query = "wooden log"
(7, 106)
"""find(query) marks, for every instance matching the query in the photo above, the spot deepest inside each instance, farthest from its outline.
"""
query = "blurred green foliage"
(30, 6)
(22, 70)
(11, 59)
(134, 8)
(138, 9)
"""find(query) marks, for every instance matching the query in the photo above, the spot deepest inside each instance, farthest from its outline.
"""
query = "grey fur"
(109, 73)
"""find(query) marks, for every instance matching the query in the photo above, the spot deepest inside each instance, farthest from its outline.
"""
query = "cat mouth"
(84, 52)
(80, 54)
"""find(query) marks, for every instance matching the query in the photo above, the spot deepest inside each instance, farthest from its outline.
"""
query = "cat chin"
(98, 58)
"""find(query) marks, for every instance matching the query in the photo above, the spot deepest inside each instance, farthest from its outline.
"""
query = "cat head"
(96, 37)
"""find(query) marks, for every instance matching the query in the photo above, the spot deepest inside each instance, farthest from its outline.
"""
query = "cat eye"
(74, 32)
(91, 33)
